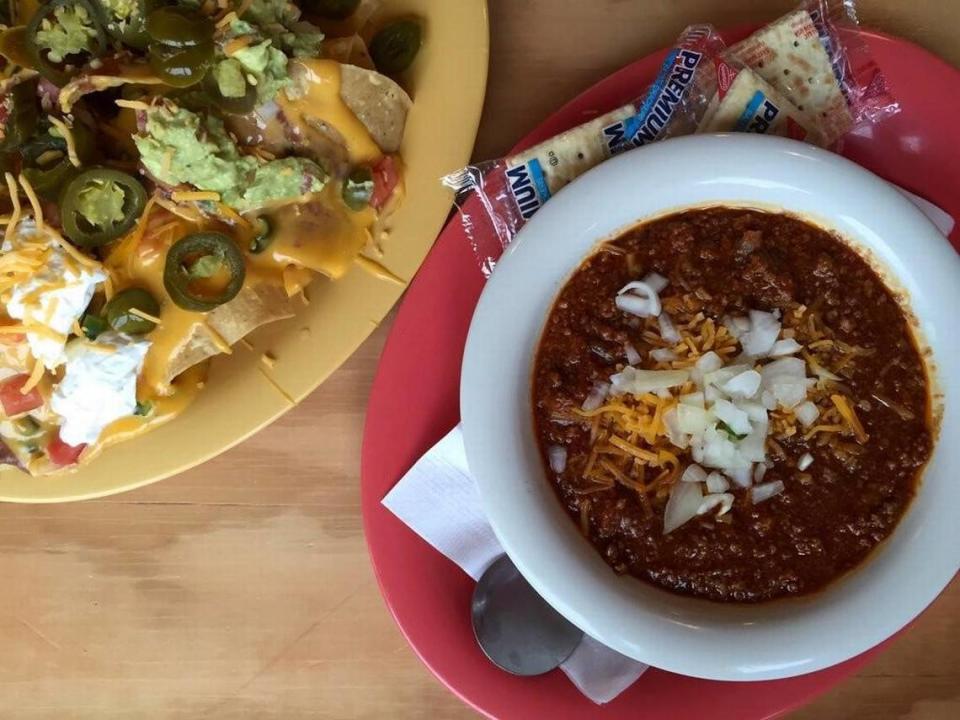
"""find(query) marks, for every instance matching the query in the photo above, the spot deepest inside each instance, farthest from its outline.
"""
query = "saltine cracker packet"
(816, 58)
(510, 190)
(808, 76)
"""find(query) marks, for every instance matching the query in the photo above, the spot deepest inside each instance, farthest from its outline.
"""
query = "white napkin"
(439, 500)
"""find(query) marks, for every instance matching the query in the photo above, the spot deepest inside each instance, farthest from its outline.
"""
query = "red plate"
(414, 403)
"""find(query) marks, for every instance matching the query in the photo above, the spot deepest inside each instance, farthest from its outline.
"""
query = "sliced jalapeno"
(99, 205)
(92, 325)
(62, 36)
(178, 67)
(179, 27)
(331, 9)
(358, 189)
(203, 271)
(129, 29)
(263, 235)
(120, 311)
(394, 48)
(46, 162)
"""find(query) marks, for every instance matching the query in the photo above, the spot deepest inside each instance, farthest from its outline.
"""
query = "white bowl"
(685, 635)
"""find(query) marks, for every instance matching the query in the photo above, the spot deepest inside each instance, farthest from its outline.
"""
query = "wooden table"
(242, 589)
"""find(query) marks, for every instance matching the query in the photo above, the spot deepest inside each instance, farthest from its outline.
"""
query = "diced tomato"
(385, 178)
(62, 454)
(15, 402)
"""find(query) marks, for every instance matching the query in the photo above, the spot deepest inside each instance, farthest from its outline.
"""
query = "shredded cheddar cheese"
(15, 214)
(36, 375)
(145, 315)
(238, 43)
(194, 195)
(850, 417)
(67, 134)
(132, 104)
(34, 200)
(226, 20)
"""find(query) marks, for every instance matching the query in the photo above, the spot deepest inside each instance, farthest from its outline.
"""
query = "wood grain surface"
(242, 589)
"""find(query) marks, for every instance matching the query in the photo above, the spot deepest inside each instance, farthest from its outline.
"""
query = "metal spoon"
(516, 629)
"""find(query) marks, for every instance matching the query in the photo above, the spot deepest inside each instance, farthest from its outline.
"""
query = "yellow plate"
(447, 85)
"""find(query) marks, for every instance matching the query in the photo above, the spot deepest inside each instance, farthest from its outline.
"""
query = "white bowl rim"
(689, 636)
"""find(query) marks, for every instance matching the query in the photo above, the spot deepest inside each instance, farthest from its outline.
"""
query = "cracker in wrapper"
(745, 102)
(789, 55)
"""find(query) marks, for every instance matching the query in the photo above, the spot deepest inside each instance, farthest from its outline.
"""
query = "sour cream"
(98, 386)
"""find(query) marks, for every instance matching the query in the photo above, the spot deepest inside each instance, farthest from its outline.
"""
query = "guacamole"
(181, 147)
(71, 31)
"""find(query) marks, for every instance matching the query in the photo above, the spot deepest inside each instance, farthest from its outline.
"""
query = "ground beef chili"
(724, 262)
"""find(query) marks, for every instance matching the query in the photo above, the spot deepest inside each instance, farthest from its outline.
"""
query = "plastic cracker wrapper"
(509, 191)
(814, 58)
(745, 102)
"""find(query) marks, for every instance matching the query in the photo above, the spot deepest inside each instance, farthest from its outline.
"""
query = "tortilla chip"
(378, 102)
(788, 54)
(253, 307)
(750, 104)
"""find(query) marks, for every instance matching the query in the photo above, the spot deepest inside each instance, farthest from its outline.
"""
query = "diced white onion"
(557, 455)
(663, 393)
(753, 448)
(674, 433)
(685, 499)
(638, 298)
(692, 419)
(744, 385)
(695, 399)
(805, 461)
(722, 500)
(789, 394)
(657, 281)
(667, 329)
(807, 413)
(709, 362)
(785, 368)
(759, 470)
(662, 354)
(763, 333)
(631, 380)
(735, 418)
(695, 473)
(768, 401)
(596, 397)
(755, 411)
(761, 493)
(696, 450)
(722, 374)
(711, 394)
(786, 380)
(789, 346)
(719, 451)
(633, 357)
(736, 326)
(717, 482)
(742, 476)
